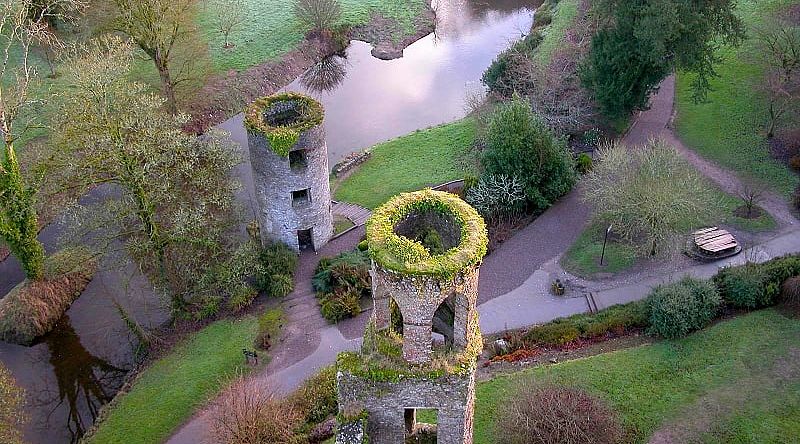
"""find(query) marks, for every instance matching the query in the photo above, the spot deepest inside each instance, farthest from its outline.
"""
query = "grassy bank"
(583, 257)
(409, 163)
(168, 392)
(729, 128)
(737, 381)
(564, 13)
(270, 29)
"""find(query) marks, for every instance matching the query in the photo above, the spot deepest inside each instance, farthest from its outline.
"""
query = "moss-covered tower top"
(281, 118)
(396, 242)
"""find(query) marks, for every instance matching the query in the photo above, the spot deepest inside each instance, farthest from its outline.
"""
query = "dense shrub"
(497, 195)
(682, 307)
(275, 270)
(616, 319)
(498, 76)
(12, 415)
(241, 297)
(744, 286)
(796, 198)
(316, 399)
(583, 163)
(518, 143)
(551, 414)
(249, 412)
(794, 163)
(341, 304)
(269, 326)
(552, 334)
(790, 294)
(341, 282)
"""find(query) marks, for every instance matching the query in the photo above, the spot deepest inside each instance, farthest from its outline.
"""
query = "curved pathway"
(515, 278)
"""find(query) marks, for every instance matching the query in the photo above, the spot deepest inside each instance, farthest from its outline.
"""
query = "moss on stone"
(282, 137)
(400, 254)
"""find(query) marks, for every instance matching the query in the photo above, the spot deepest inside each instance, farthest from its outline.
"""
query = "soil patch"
(549, 357)
(744, 213)
(4, 253)
(33, 308)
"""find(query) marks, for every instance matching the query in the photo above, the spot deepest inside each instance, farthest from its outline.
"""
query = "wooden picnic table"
(714, 240)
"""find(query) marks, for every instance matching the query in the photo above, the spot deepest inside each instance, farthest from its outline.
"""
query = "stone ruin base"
(391, 408)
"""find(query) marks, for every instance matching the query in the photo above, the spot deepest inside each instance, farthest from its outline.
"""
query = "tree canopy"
(641, 41)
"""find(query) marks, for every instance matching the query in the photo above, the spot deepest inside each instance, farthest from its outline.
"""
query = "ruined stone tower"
(290, 169)
(426, 250)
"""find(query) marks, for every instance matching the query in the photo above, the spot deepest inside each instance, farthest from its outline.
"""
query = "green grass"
(168, 392)
(737, 365)
(583, 257)
(564, 14)
(409, 163)
(729, 128)
(271, 30)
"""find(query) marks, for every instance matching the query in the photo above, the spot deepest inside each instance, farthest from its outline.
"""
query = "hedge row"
(677, 309)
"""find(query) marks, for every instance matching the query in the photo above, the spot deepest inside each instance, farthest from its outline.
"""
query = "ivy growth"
(407, 256)
(283, 133)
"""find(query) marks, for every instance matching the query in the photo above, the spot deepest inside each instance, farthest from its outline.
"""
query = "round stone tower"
(426, 249)
(290, 170)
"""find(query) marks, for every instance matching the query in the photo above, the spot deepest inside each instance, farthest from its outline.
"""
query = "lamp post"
(605, 240)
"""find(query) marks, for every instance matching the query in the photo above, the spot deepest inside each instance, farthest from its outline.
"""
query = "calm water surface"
(79, 366)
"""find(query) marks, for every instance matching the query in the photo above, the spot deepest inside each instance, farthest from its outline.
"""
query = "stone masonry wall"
(275, 181)
(418, 297)
(385, 401)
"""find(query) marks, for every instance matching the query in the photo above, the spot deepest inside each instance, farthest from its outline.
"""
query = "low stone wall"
(452, 396)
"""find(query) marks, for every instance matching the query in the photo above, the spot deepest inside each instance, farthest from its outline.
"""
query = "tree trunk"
(167, 86)
(772, 119)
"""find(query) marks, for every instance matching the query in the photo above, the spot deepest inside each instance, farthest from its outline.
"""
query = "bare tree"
(157, 27)
(20, 30)
(751, 193)
(319, 15)
(780, 47)
(229, 15)
(650, 194)
(249, 412)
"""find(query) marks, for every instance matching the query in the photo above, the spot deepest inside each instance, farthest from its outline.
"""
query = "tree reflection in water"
(325, 75)
(85, 382)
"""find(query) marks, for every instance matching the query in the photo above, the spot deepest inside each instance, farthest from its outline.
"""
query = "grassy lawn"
(168, 392)
(738, 381)
(583, 257)
(270, 28)
(729, 128)
(564, 14)
(409, 163)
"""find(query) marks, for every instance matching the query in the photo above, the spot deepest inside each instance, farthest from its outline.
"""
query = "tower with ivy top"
(289, 157)
(414, 378)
